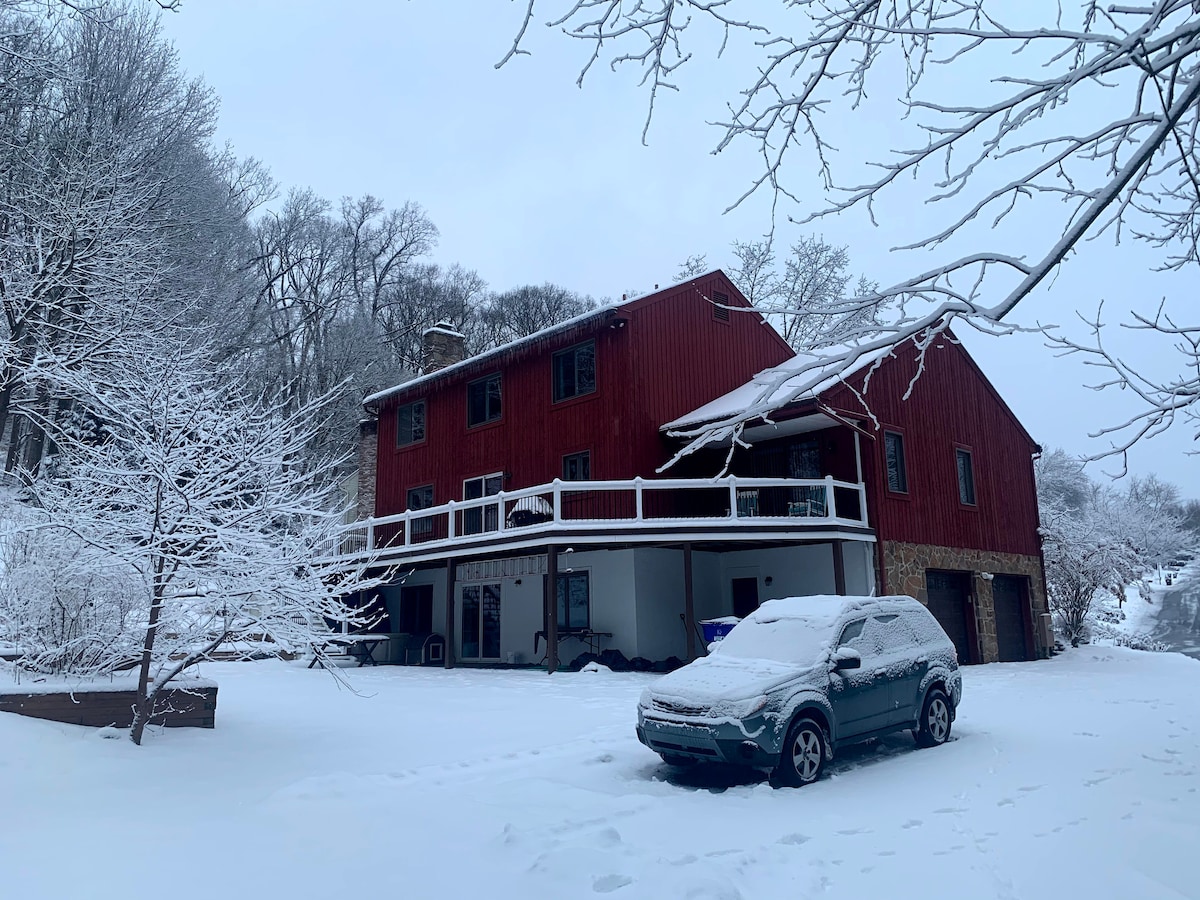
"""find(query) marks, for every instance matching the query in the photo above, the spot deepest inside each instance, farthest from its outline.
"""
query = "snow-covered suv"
(801, 677)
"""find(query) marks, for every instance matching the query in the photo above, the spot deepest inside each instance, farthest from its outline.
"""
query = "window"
(479, 519)
(483, 400)
(720, 307)
(574, 602)
(966, 476)
(421, 498)
(416, 610)
(897, 472)
(575, 371)
(577, 466)
(410, 423)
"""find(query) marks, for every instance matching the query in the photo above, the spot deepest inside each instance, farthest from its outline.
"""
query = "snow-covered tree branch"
(1083, 117)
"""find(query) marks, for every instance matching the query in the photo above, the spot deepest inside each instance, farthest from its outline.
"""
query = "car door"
(903, 666)
(860, 699)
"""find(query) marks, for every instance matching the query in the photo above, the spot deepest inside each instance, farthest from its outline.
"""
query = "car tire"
(933, 728)
(679, 762)
(802, 759)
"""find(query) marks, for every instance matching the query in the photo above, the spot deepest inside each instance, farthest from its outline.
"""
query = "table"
(586, 636)
(366, 645)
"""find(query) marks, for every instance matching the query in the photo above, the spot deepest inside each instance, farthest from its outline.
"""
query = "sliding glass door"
(480, 622)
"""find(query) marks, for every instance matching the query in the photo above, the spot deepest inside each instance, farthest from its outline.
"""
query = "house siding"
(952, 405)
(670, 356)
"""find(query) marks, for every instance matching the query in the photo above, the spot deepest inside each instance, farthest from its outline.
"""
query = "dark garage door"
(948, 595)
(1008, 597)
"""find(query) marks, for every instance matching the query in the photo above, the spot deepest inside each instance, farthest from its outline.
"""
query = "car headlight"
(741, 709)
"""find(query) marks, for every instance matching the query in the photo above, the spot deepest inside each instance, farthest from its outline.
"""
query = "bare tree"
(1097, 539)
(806, 299)
(520, 311)
(194, 505)
(1086, 117)
(108, 192)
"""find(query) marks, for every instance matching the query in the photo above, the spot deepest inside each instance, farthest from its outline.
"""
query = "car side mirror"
(846, 658)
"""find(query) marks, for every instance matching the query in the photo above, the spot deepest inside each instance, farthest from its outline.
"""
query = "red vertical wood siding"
(952, 404)
(671, 356)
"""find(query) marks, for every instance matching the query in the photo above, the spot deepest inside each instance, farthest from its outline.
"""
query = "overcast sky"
(530, 178)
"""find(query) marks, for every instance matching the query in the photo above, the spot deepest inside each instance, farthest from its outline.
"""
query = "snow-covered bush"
(62, 613)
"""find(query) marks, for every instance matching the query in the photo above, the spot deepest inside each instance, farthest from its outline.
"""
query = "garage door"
(948, 595)
(1008, 597)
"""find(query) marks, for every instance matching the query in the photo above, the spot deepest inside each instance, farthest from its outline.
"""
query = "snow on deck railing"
(638, 503)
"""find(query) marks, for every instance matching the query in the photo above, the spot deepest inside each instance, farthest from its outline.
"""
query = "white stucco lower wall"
(638, 594)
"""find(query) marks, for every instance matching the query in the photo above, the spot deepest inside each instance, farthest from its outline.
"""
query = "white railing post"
(500, 510)
(733, 497)
(450, 520)
(637, 499)
(829, 505)
(862, 502)
(557, 501)
(370, 534)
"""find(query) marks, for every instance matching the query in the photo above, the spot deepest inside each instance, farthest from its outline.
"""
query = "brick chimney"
(442, 346)
(368, 431)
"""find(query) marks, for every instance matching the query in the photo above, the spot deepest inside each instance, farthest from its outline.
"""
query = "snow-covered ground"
(1078, 776)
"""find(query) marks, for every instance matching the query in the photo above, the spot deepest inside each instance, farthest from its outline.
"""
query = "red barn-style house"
(522, 499)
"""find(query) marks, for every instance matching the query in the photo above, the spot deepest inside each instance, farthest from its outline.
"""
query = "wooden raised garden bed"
(193, 706)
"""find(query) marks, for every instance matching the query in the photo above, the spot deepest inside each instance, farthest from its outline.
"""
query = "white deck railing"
(728, 503)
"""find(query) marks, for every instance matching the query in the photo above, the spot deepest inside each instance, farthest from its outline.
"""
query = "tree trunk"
(144, 706)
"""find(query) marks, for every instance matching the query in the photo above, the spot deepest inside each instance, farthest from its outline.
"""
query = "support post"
(449, 655)
(839, 569)
(689, 608)
(551, 605)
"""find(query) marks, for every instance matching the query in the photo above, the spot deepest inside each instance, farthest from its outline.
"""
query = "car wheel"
(934, 726)
(802, 759)
(677, 761)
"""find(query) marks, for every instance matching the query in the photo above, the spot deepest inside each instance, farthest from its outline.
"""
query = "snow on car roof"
(825, 608)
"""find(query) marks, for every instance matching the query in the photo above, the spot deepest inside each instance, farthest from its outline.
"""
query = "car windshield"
(796, 640)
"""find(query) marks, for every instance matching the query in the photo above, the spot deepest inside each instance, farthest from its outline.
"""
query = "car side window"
(852, 636)
(893, 633)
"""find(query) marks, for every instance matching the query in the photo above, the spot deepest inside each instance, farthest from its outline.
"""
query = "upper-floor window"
(575, 371)
(421, 498)
(483, 400)
(897, 470)
(410, 423)
(577, 466)
(966, 476)
(485, 517)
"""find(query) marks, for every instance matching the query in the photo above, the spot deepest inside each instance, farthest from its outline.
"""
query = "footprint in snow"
(849, 831)
(945, 810)
(606, 884)
(913, 823)
(795, 839)
(1031, 787)
(1007, 801)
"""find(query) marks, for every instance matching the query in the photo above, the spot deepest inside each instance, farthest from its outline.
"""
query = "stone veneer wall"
(368, 450)
(904, 569)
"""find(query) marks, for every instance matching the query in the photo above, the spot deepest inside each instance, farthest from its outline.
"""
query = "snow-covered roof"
(544, 333)
(774, 387)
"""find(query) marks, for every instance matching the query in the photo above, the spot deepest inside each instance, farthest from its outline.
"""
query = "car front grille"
(679, 709)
